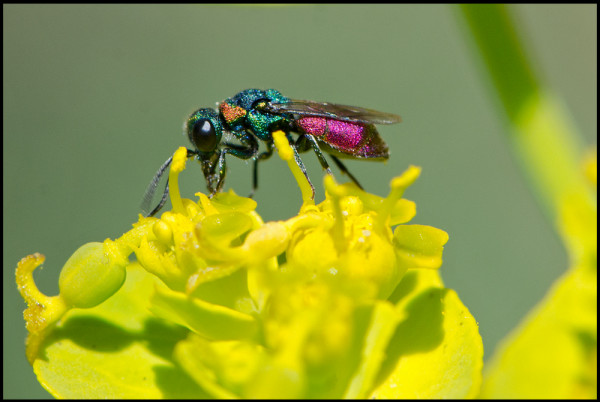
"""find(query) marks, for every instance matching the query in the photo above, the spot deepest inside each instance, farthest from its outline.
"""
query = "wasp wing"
(333, 111)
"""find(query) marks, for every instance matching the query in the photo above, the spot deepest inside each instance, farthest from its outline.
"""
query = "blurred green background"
(95, 98)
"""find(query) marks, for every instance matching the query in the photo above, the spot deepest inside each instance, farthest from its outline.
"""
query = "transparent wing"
(333, 111)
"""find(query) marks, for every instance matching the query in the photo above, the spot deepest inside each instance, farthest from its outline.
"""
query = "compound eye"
(203, 135)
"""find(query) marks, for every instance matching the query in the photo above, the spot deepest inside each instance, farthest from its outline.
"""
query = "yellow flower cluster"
(277, 309)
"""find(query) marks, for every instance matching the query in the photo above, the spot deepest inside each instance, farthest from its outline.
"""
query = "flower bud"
(92, 274)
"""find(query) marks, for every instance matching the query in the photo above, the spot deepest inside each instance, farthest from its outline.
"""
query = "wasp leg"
(247, 149)
(214, 170)
(300, 163)
(302, 144)
(262, 156)
(303, 141)
(345, 170)
(317, 150)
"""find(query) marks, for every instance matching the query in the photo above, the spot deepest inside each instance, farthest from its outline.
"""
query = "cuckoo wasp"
(253, 114)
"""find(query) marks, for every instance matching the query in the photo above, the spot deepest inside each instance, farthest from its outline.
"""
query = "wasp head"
(204, 130)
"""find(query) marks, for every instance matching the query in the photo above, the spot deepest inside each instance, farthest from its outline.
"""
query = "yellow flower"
(303, 308)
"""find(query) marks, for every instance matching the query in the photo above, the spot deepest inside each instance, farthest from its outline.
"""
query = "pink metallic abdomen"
(354, 139)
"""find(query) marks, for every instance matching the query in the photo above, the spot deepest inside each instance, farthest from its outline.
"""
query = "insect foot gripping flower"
(341, 301)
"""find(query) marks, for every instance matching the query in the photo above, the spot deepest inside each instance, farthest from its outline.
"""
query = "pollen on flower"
(351, 205)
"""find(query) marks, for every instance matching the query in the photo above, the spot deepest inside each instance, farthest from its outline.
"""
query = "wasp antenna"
(151, 190)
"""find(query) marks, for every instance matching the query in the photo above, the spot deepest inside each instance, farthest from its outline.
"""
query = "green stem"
(543, 137)
(503, 54)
